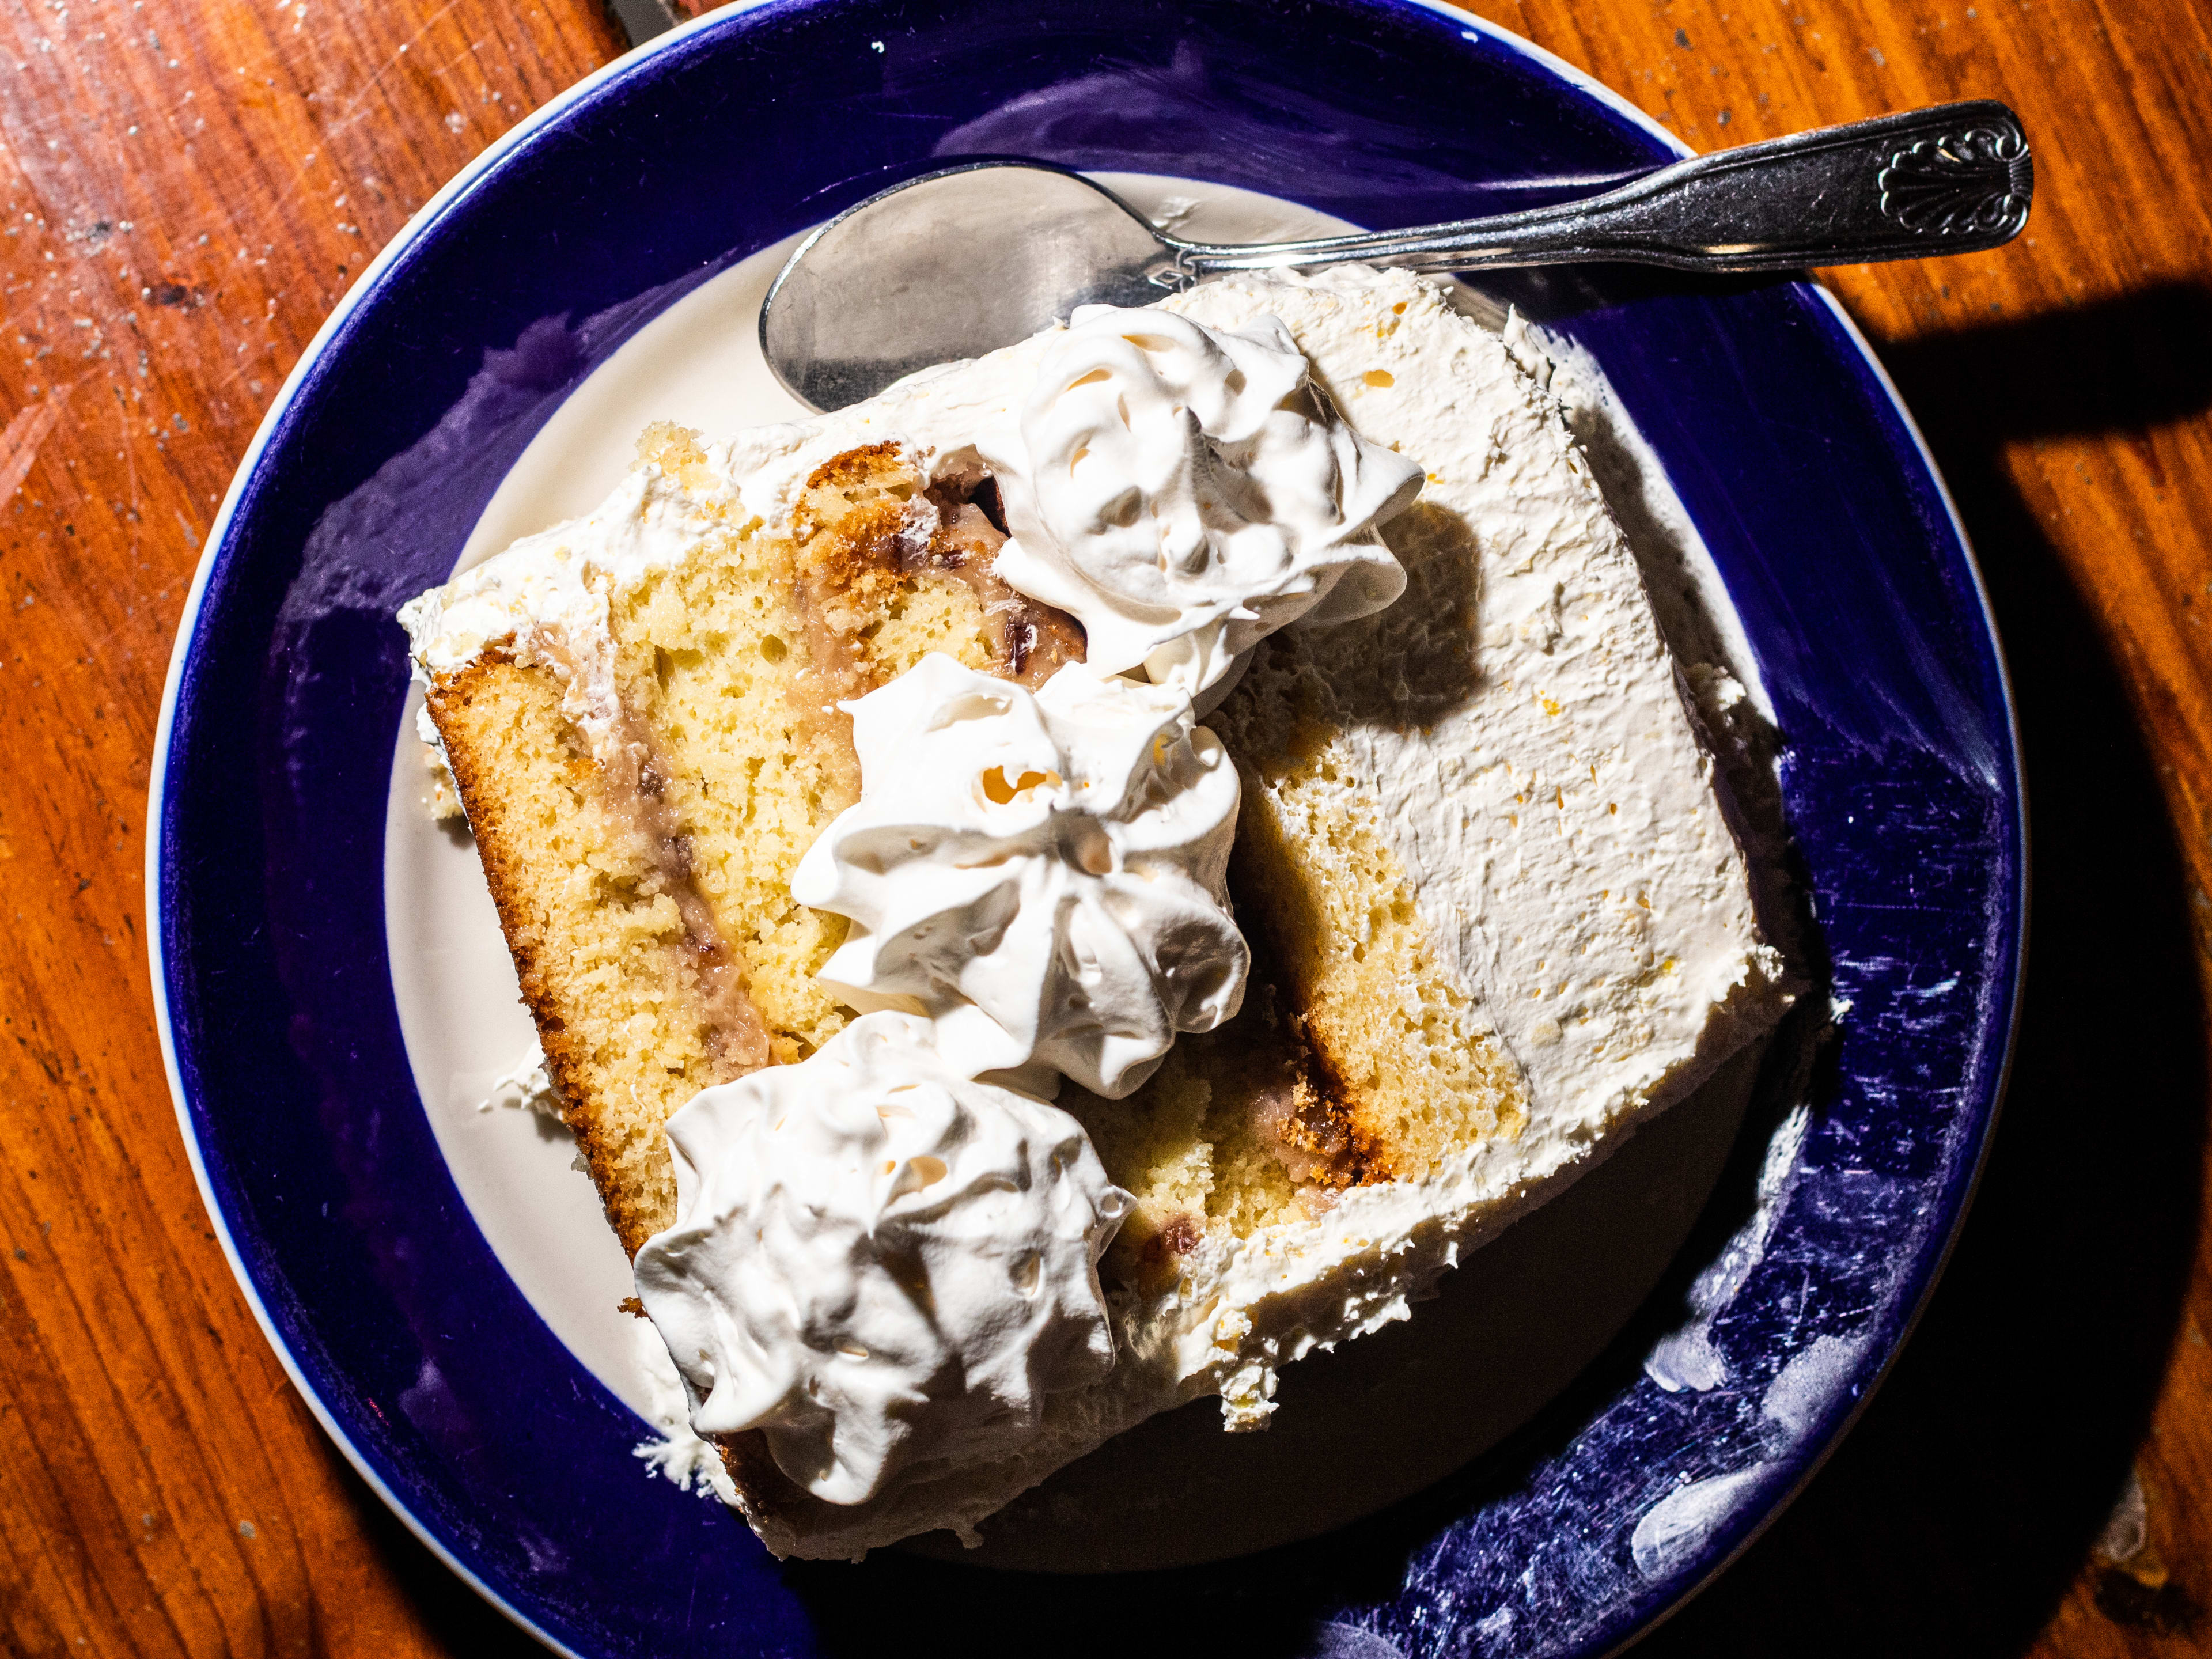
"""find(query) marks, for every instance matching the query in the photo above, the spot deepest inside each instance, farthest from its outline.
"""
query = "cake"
(1490, 908)
(639, 804)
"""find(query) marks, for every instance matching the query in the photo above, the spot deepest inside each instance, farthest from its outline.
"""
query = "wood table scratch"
(188, 187)
(21, 438)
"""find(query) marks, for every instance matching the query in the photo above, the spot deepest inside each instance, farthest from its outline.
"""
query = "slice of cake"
(1495, 910)
(639, 711)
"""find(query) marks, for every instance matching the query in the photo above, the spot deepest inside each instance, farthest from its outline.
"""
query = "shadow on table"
(1954, 1518)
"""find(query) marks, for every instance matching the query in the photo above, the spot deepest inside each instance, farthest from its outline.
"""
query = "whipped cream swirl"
(1184, 491)
(1045, 873)
(877, 1261)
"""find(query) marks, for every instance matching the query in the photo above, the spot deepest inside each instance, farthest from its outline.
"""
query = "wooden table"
(187, 189)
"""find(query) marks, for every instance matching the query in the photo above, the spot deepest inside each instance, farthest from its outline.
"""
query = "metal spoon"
(957, 262)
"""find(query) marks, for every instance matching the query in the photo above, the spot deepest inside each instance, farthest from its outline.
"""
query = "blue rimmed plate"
(1779, 433)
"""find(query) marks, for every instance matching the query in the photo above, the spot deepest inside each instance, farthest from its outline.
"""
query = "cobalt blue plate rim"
(456, 1464)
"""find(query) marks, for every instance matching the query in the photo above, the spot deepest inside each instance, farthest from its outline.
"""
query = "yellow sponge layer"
(597, 940)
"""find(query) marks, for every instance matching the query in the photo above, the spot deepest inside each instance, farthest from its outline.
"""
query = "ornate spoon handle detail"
(1951, 179)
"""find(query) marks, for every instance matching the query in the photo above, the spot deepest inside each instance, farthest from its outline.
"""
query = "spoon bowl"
(951, 265)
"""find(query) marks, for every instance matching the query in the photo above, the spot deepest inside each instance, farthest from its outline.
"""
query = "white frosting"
(1184, 491)
(1046, 874)
(878, 1262)
(526, 1085)
(679, 1453)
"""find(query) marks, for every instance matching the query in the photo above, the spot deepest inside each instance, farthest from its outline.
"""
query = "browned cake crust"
(507, 717)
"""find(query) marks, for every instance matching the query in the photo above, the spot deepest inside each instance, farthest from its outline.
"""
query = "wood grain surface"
(185, 189)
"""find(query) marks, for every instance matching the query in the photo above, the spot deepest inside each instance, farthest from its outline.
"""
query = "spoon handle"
(1954, 178)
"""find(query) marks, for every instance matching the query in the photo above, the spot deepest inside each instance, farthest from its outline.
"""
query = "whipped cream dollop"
(877, 1261)
(1183, 491)
(1045, 873)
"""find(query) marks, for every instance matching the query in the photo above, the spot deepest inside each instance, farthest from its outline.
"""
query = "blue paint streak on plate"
(1831, 534)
